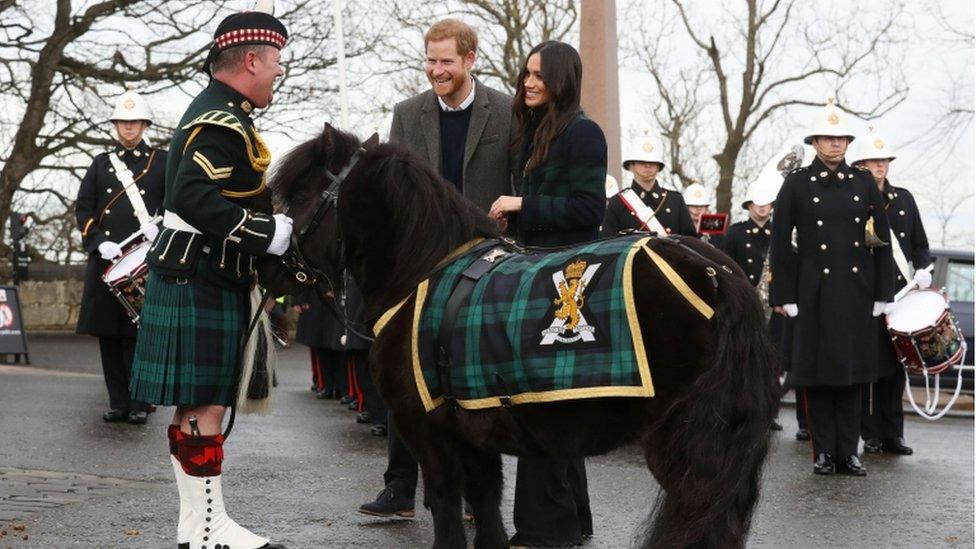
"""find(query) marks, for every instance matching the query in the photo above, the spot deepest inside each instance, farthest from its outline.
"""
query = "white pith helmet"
(763, 190)
(696, 195)
(131, 106)
(644, 149)
(873, 146)
(829, 122)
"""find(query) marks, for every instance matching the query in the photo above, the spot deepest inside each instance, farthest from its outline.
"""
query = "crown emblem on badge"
(648, 147)
(878, 144)
(129, 104)
(575, 270)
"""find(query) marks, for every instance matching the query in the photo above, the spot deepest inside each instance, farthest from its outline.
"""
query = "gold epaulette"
(257, 150)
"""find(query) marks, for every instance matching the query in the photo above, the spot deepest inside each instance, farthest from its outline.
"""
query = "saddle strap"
(459, 296)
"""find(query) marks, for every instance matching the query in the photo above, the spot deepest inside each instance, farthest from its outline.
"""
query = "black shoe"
(802, 434)
(116, 416)
(824, 465)
(896, 446)
(138, 417)
(354, 405)
(388, 504)
(378, 430)
(324, 394)
(872, 446)
(852, 466)
(363, 417)
(775, 426)
(346, 399)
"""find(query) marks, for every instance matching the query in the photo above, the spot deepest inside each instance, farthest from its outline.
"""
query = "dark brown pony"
(704, 435)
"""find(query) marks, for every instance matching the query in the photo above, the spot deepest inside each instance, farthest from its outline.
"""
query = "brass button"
(816, 199)
(748, 245)
(819, 223)
(749, 260)
(857, 220)
(857, 198)
(854, 269)
(857, 243)
(108, 212)
(668, 210)
(813, 178)
(901, 235)
(823, 246)
(108, 233)
(142, 191)
(826, 271)
(901, 212)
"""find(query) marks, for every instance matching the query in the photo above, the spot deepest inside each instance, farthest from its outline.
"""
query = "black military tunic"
(746, 242)
(833, 277)
(668, 206)
(906, 223)
(104, 213)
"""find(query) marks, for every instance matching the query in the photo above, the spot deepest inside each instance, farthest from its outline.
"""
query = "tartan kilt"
(188, 343)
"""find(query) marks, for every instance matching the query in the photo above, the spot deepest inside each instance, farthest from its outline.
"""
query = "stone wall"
(50, 304)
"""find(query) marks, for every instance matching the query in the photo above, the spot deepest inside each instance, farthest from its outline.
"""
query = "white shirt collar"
(464, 104)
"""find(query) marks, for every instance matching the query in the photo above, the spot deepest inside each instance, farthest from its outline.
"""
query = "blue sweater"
(454, 133)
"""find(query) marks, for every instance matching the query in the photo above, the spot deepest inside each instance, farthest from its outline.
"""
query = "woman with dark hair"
(564, 158)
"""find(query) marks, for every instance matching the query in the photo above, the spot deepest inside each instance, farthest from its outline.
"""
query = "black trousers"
(881, 413)
(801, 408)
(372, 401)
(552, 505)
(834, 418)
(401, 467)
(333, 370)
(117, 353)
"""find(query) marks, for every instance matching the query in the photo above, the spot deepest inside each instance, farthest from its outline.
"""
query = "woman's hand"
(505, 205)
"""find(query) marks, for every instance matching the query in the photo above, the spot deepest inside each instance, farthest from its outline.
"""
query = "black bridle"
(294, 261)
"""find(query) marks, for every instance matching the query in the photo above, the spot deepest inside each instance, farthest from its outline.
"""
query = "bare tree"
(771, 56)
(942, 202)
(61, 68)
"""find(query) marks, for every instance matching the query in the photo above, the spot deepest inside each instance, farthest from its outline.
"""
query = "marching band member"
(645, 160)
(202, 266)
(120, 192)
(747, 241)
(696, 198)
(882, 420)
(834, 286)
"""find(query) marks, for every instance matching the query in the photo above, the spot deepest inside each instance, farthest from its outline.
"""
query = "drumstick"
(136, 234)
(911, 285)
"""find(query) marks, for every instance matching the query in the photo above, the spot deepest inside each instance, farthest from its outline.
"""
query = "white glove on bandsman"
(109, 250)
(282, 235)
(923, 278)
(149, 230)
(879, 307)
(791, 309)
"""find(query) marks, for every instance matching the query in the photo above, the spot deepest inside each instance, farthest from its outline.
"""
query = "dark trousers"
(881, 413)
(834, 419)
(332, 371)
(401, 467)
(117, 355)
(552, 506)
(372, 402)
(801, 408)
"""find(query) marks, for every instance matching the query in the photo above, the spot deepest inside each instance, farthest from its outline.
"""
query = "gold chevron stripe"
(208, 168)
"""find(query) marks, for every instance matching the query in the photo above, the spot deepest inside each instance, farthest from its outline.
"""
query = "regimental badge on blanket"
(569, 325)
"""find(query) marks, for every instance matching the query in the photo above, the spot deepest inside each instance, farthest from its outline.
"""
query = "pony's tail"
(717, 433)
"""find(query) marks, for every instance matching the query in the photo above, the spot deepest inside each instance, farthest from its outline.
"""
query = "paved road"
(299, 474)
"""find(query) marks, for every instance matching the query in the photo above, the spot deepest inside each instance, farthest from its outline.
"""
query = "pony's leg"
(443, 479)
(483, 491)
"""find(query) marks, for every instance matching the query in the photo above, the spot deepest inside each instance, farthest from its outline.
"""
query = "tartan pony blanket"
(539, 327)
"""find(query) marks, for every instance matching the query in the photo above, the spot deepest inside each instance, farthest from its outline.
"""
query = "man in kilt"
(217, 222)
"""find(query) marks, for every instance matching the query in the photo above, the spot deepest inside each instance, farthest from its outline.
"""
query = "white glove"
(889, 308)
(282, 235)
(109, 250)
(791, 309)
(923, 278)
(879, 307)
(149, 230)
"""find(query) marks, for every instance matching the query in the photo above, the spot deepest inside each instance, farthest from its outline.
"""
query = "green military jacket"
(218, 207)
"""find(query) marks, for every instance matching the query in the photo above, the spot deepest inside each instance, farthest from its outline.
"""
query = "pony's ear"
(327, 139)
(373, 141)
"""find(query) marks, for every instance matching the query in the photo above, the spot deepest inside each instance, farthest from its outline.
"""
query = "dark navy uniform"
(668, 206)
(882, 418)
(104, 213)
(746, 242)
(834, 278)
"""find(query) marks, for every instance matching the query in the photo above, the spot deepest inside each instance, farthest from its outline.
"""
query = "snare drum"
(126, 278)
(925, 333)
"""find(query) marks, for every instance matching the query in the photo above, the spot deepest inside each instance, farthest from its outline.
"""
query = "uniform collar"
(755, 228)
(825, 176)
(656, 190)
(139, 151)
(231, 99)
